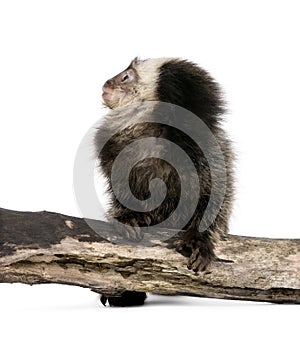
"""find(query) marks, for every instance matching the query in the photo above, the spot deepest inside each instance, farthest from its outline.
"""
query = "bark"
(45, 247)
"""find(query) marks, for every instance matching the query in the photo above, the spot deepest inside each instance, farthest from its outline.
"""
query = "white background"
(55, 56)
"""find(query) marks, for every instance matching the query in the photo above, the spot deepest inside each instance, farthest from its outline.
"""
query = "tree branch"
(45, 247)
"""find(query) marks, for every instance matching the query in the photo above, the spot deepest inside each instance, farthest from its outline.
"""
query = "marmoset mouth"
(107, 93)
(112, 96)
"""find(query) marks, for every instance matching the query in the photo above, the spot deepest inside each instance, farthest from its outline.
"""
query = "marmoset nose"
(109, 83)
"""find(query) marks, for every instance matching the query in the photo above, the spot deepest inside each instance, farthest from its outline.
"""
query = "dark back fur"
(185, 84)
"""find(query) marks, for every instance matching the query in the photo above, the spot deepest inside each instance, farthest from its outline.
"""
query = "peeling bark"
(45, 247)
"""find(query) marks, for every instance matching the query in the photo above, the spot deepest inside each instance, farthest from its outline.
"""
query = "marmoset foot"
(126, 299)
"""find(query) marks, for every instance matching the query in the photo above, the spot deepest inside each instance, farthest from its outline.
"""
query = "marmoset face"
(120, 90)
(137, 83)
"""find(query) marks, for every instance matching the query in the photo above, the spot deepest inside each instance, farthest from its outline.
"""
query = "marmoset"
(179, 83)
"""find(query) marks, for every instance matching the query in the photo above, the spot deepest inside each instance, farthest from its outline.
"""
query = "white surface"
(54, 59)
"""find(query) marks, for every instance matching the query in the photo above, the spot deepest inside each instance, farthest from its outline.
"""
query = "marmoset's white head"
(170, 80)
